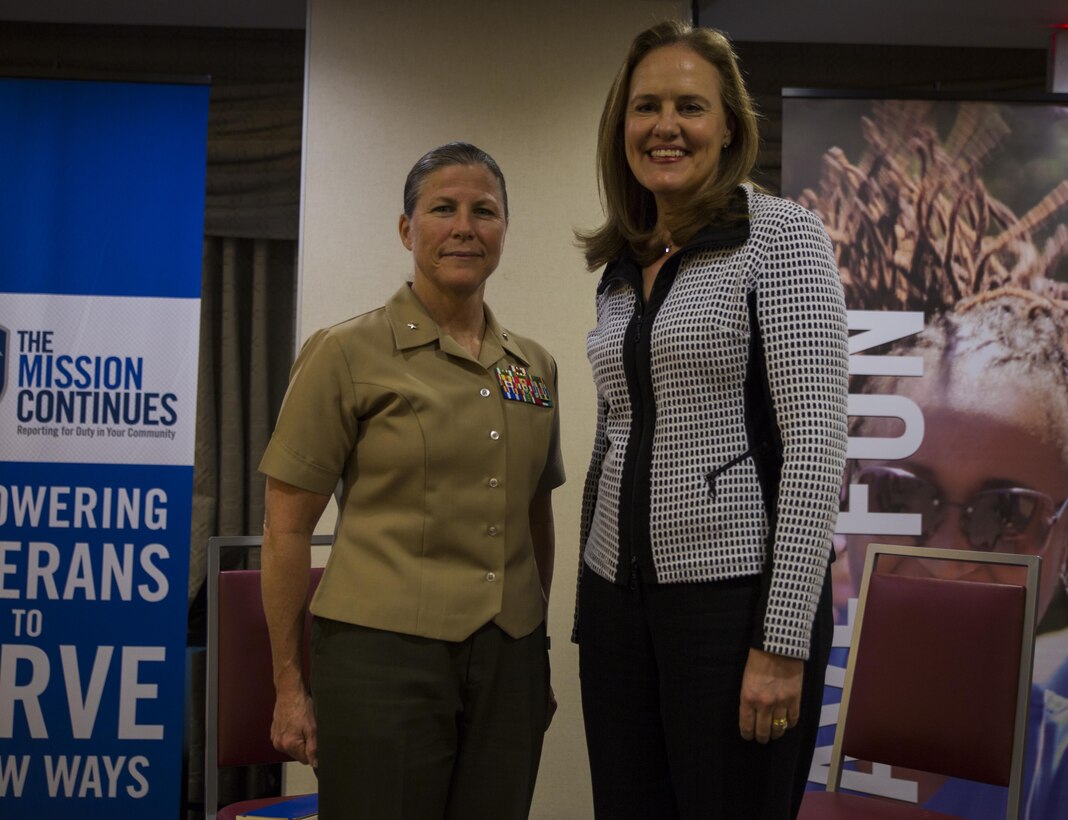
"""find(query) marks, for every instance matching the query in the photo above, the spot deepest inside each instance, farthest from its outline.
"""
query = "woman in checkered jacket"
(720, 362)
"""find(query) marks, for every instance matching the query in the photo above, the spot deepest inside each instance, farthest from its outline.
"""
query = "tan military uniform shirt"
(437, 470)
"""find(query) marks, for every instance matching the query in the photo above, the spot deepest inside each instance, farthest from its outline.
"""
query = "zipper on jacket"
(633, 527)
(636, 553)
(634, 583)
(629, 529)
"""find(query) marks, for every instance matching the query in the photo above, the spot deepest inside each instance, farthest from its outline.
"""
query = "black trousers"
(414, 728)
(661, 669)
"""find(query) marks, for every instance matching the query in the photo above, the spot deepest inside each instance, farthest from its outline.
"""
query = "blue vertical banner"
(101, 233)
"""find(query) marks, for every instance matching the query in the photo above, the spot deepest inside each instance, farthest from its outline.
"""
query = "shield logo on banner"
(5, 334)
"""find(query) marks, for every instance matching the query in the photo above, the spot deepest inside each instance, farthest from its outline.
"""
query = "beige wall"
(526, 82)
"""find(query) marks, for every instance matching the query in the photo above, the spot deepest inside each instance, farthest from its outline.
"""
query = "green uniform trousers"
(413, 728)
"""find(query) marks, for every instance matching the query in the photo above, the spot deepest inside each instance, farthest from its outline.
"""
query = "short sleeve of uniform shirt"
(437, 457)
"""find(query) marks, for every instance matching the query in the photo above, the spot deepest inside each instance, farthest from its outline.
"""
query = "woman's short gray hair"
(452, 153)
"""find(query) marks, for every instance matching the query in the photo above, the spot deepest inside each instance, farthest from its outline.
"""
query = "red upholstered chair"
(938, 680)
(240, 686)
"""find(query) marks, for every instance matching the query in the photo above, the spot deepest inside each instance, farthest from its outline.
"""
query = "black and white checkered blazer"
(721, 422)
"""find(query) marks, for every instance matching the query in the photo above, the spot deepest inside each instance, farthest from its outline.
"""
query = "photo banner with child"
(947, 219)
(101, 235)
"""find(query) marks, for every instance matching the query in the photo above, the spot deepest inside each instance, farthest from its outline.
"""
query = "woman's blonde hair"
(630, 209)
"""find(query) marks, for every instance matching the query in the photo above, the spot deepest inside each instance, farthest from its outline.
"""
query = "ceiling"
(986, 23)
(216, 13)
(991, 23)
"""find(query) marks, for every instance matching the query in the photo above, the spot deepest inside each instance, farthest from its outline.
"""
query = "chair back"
(240, 682)
(939, 673)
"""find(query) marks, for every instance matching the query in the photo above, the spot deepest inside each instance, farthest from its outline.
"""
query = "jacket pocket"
(710, 478)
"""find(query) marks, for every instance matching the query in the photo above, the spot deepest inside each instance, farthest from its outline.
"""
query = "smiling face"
(676, 124)
(455, 232)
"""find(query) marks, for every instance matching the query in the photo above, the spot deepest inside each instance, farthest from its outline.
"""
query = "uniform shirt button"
(492, 530)
(484, 392)
(493, 482)
(491, 577)
(494, 435)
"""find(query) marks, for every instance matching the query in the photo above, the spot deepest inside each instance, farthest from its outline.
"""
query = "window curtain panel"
(248, 304)
(248, 300)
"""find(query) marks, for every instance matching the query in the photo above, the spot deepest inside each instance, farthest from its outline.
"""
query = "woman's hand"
(550, 708)
(289, 520)
(771, 694)
(293, 727)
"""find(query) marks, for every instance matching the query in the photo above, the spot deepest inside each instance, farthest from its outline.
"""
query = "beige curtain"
(247, 304)
(246, 346)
